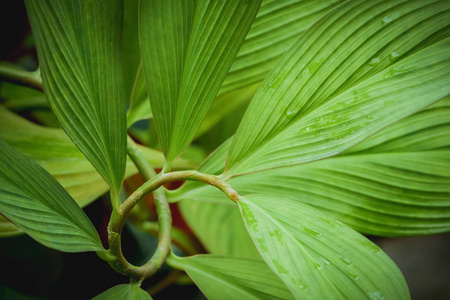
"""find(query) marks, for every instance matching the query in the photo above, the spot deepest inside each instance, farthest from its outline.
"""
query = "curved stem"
(164, 219)
(24, 78)
(138, 158)
(153, 184)
(162, 209)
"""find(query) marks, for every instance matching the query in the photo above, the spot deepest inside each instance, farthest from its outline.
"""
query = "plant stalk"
(24, 78)
(154, 184)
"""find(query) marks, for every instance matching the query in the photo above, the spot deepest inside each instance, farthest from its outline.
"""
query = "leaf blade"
(34, 201)
(309, 256)
(124, 292)
(244, 278)
(314, 105)
(186, 68)
(78, 47)
(395, 183)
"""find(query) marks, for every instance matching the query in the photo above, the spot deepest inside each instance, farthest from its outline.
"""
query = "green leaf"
(17, 97)
(53, 150)
(33, 200)
(187, 50)
(78, 46)
(130, 50)
(222, 277)
(139, 105)
(427, 130)
(396, 183)
(360, 68)
(225, 105)
(219, 227)
(124, 292)
(317, 257)
(277, 26)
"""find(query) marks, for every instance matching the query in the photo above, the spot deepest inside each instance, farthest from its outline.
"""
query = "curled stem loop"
(154, 184)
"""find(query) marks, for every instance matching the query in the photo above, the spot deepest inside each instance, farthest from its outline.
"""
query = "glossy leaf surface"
(78, 46)
(396, 183)
(317, 257)
(124, 292)
(222, 277)
(53, 150)
(218, 225)
(277, 26)
(33, 200)
(357, 70)
(139, 103)
(187, 50)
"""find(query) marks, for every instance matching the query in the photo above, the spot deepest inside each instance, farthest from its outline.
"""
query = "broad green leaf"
(222, 277)
(317, 257)
(187, 49)
(139, 105)
(130, 50)
(225, 105)
(360, 68)
(78, 45)
(124, 292)
(396, 183)
(219, 227)
(33, 200)
(427, 130)
(213, 164)
(17, 97)
(277, 26)
(55, 152)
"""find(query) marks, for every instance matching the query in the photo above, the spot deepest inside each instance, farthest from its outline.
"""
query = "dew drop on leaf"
(374, 61)
(394, 56)
(376, 296)
(311, 231)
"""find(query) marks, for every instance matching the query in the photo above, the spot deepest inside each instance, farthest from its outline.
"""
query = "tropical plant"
(344, 136)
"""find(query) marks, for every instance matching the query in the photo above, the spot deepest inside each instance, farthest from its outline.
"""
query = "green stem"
(136, 155)
(162, 209)
(153, 184)
(24, 78)
(164, 220)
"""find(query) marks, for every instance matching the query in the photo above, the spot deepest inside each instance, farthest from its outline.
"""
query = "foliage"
(347, 133)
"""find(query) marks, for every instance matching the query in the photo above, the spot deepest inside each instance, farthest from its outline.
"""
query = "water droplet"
(374, 61)
(250, 219)
(356, 279)
(299, 283)
(275, 82)
(318, 132)
(279, 267)
(307, 128)
(345, 260)
(275, 233)
(314, 66)
(369, 117)
(389, 18)
(394, 56)
(376, 296)
(396, 71)
(311, 231)
(290, 114)
(262, 244)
